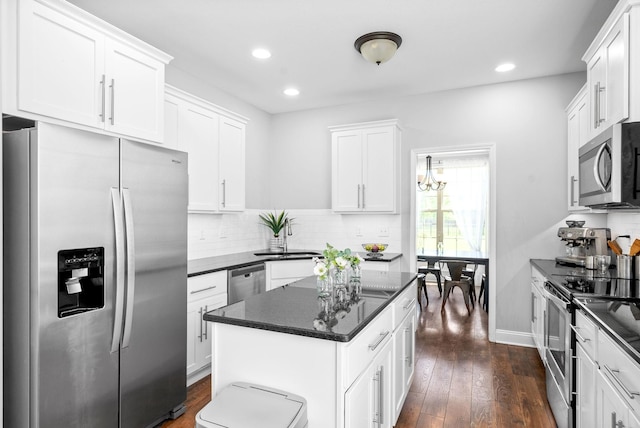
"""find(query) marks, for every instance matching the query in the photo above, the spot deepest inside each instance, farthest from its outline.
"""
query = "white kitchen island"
(350, 356)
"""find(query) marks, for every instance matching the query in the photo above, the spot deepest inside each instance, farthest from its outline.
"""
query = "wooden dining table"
(481, 259)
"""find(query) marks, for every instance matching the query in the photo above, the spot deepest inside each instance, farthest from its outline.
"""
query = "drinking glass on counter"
(602, 262)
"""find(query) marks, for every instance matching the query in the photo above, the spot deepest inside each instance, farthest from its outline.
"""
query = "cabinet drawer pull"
(410, 304)
(204, 289)
(578, 335)
(381, 337)
(612, 373)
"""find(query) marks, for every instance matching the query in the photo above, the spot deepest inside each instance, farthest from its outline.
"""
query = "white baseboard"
(200, 374)
(508, 337)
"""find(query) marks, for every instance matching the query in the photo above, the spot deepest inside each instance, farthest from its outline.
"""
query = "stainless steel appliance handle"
(103, 85)
(381, 337)
(596, 173)
(613, 375)
(131, 267)
(358, 196)
(119, 282)
(557, 301)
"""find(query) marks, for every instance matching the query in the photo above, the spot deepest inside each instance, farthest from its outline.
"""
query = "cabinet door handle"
(574, 180)
(381, 337)
(614, 423)
(358, 196)
(601, 117)
(612, 373)
(224, 193)
(409, 357)
(103, 85)
(206, 327)
(363, 196)
(380, 396)
(200, 318)
(112, 87)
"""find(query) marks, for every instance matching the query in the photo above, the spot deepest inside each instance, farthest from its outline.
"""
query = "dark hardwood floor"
(461, 379)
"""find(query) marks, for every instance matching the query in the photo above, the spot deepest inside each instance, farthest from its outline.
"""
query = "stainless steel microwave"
(608, 175)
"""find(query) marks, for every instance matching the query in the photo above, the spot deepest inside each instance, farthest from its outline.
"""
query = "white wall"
(525, 120)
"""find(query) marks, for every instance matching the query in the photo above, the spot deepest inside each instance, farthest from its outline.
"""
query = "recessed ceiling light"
(505, 67)
(292, 92)
(261, 53)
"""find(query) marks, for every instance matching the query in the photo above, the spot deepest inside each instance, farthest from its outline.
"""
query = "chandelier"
(428, 182)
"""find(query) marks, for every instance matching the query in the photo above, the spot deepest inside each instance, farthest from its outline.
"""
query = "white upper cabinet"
(215, 141)
(608, 66)
(577, 135)
(64, 65)
(231, 162)
(365, 167)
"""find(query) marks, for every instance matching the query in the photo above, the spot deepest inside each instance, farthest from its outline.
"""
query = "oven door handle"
(556, 300)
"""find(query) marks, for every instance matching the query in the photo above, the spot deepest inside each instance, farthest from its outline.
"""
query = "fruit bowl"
(374, 249)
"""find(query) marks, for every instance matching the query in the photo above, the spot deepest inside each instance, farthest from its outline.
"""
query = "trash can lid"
(242, 404)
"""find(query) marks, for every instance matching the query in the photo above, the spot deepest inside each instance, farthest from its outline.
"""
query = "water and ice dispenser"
(80, 281)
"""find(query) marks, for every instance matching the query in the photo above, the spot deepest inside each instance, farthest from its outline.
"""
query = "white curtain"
(468, 189)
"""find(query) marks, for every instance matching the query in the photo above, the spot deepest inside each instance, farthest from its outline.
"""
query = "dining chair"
(456, 279)
(433, 269)
(470, 272)
(422, 286)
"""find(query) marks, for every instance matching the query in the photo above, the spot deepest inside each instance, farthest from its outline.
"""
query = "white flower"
(341, 262)
(320, 269)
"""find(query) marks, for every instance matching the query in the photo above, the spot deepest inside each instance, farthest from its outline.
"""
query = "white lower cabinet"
(287, 271)
(611, 408)
(368, 400)
(403, 361)
(586, 373)
(206, 293)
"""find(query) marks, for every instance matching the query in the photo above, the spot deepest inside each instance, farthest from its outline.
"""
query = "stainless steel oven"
(557, 342)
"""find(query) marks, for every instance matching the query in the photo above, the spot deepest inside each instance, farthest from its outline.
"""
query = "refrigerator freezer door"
(67, 369)
(153, 356)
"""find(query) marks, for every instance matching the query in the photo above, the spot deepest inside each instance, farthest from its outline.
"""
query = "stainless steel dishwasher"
(245, 282)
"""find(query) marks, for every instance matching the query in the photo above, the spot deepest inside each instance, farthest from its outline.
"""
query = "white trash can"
(244, 405)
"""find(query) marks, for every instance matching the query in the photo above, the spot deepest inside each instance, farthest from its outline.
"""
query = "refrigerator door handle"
(131, 266)
(119, 286)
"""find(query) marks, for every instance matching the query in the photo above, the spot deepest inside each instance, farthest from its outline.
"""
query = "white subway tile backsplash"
(218, 234)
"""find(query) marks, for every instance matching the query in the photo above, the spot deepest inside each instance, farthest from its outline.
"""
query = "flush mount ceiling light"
(505, 67)
(378, 47)
(261, 53)
(292, 92)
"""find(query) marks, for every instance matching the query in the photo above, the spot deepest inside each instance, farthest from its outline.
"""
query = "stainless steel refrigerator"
(95, 279)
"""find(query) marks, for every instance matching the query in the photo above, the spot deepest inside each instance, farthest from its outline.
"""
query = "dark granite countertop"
(618, 317)
(297, 309)
(615, 308)
(248, 258)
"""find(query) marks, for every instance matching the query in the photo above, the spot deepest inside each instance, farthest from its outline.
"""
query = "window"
(453, 221)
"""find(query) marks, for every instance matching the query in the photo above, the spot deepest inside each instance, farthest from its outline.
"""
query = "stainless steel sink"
(288, 253)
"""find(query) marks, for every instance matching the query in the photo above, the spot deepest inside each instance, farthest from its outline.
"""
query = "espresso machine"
(582, 242)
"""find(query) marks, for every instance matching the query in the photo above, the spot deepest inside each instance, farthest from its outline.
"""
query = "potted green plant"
(275, 222)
